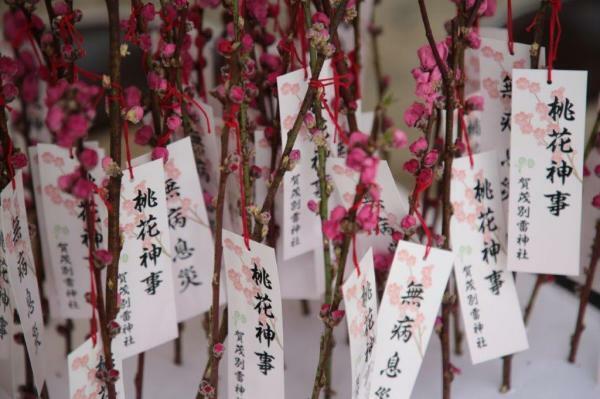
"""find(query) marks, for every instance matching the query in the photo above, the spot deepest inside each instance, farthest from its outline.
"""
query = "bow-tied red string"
(555, 33)
(509, 27)
(419, 188)
(172, 92)
(289, 47)
(464, 132)
(336, 81)
(231, 122)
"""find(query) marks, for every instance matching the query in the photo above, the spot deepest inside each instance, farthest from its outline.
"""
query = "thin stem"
(139, 376)
(114, 187)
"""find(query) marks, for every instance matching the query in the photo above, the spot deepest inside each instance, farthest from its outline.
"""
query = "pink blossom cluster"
(71, 110)
(423, 162)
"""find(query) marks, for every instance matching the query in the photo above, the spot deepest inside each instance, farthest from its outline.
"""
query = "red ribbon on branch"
(509, 28)
(337, 81)
(465, 134)
(419, 188)
(555, 32)
(231, 122)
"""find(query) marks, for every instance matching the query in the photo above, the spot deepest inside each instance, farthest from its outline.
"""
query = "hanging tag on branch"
(488, 297)
(546, 171)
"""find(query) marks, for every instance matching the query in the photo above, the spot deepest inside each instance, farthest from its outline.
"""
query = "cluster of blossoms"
(319, 34)
(423, 163)
(71, 110)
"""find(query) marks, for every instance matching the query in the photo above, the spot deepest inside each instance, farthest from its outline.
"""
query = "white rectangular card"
(83, 365)
(406, 318)
(22, 275)
(255, 355)
(299, 223)
(65, 229)
(360, 302)
(488, 297)
(147, 314)
(192, 246)
(6, 310)
(548, 123)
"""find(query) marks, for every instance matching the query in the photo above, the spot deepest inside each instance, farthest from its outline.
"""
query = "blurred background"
(403, 34)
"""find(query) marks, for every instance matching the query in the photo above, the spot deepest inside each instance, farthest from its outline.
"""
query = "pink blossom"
(134, 114)
(430, 158)
(295, 155)
(145, 42)
(224, 46)
(143, 135)
(414, 114)
(408, 222)
(418, 146)
(320, 17)
(367, 217)
(426, 57)
(312, 205)
(425, 177)
(133, 96)
(411, 166)
(369, 170)
(160, 152)
(358, 138)
(173, 122)
(356, 158)
(156, 82)
(474, 103)
(167, 49)
(596, 201)
(270, 61)
(82, 188)
(247, 42)
(18, 160)
(236, 94)
(9, 92)
(399, 139)
(103, 256)
(473, 39)
(258, 9)
(88, 158)
(147, 12)
(65, 182)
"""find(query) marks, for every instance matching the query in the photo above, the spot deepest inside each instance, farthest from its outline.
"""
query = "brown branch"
(114, 187)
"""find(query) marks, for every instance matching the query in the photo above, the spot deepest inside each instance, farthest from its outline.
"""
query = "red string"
(231, 121)
(509, 27)
(336, 81)
(67, 29)
(555, 32)
(419, 188)
(93, 300)
(465, 134)
(354, 255)
(173, 92)
(355, 65)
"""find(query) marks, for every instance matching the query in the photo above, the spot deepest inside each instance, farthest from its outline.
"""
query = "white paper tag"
(66, 229)
(360, 301)
(488, 297)
(22, 275)
(146, 286)
(192, 248)
(49, 284)
(262, 159)
(83, 364)
(255, 355)
(407, 315)
(6, 310)
(496, 65)
(548, 122)
(299, 223)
